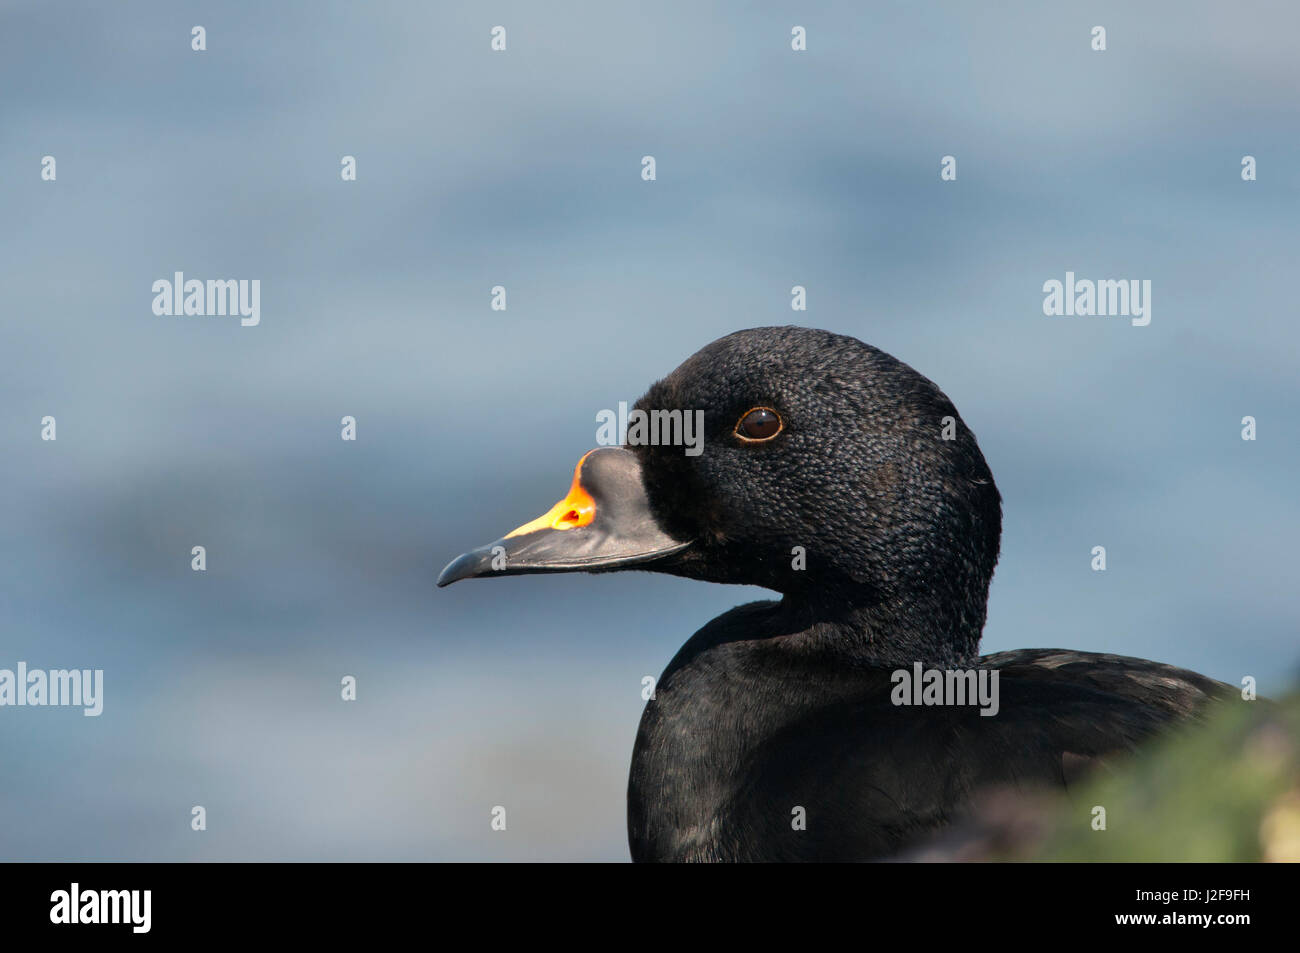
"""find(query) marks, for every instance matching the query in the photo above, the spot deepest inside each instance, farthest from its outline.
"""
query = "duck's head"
(829, 472)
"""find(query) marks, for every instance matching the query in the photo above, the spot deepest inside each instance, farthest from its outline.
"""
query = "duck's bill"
(604, 523)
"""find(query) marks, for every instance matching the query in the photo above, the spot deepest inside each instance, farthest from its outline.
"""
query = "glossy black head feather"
(874, 476)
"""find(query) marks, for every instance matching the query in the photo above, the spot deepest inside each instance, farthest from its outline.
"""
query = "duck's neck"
(888, 631)
(744, 679)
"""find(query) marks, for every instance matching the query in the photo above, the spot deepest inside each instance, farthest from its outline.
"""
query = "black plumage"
(874, 515)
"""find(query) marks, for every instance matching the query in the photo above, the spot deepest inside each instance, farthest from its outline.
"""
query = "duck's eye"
(759, 424)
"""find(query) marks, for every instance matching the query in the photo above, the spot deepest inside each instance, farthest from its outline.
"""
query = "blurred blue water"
(522, 169)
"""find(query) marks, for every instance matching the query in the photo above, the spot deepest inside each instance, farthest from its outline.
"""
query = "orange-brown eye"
(758, 425)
